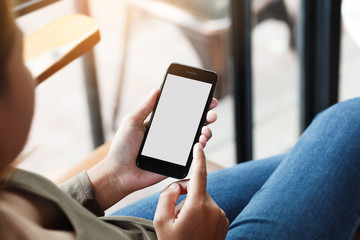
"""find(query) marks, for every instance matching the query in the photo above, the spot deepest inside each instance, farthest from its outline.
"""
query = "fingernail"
(153, 90)
(173, 186)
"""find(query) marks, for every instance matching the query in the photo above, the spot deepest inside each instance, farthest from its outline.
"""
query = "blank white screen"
(176, 119)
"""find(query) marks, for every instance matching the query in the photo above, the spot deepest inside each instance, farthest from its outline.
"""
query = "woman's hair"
(7, 36)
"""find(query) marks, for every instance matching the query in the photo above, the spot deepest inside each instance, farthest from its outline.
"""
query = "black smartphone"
(175, 124)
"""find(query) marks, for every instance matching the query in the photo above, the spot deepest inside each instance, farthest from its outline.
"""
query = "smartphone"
(175, 124)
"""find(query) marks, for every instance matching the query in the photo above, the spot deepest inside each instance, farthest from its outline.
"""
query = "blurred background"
(140, 38)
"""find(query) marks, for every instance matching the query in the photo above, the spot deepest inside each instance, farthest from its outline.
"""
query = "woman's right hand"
(197, 216)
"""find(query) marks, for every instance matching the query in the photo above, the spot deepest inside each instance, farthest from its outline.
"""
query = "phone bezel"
(164, 167)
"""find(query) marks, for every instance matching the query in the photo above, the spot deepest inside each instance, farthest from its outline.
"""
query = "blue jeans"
(312, 192)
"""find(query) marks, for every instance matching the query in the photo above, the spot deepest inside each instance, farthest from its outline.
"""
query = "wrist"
(106, 184)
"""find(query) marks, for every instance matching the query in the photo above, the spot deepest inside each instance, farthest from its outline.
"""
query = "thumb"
(143, 110)
(167, 202)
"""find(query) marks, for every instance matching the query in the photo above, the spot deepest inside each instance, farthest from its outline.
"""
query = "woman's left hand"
(117, 175)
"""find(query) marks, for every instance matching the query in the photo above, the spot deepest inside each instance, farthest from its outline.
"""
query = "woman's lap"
(313, 192)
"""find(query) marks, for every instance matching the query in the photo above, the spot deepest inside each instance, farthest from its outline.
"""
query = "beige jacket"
(76, 200)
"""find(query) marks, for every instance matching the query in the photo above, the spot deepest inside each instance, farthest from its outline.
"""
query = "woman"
(312, 192)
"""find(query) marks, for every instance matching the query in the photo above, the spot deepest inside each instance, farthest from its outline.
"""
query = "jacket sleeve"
(80, 188)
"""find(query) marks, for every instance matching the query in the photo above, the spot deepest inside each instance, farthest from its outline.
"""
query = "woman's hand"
(197, 216)
(117, 175)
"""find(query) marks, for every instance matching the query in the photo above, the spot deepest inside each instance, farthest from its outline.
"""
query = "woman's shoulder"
(18, 178)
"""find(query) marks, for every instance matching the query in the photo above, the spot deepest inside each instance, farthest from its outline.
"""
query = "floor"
(60, 136)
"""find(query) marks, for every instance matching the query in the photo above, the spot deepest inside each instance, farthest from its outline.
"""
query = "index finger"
(197, 184)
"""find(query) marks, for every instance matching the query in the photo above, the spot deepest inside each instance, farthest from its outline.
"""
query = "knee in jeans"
(344, 113)
(338, 127)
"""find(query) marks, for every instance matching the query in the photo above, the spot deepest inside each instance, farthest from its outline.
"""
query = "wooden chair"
(58, 43)
(23, 7)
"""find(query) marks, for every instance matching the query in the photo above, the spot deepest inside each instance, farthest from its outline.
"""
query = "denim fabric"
(312, 192)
